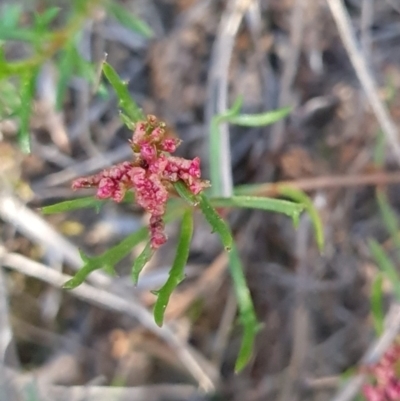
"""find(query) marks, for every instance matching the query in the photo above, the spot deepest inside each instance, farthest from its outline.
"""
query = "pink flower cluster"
(150, 175)
(385, 374)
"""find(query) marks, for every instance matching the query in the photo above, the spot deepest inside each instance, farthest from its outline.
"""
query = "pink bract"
(150, 175)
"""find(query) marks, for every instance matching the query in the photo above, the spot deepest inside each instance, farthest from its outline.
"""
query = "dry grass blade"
(347, 35)
(206, 376)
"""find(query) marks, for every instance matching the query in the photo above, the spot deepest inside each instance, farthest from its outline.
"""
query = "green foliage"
(112, 256)
(291, 209)
(216, 221)
(27, 90)
(378, 314)
(133, 112)
(389, 217)
(299, 196)
(73, 204)
(232, 116)
(386, 265)
(81, 203)
(46, 43)
(129, 20)
(388, 269)
(247, 315)
(259, 120)
(176, 273)
(108, 259)
(140, 262)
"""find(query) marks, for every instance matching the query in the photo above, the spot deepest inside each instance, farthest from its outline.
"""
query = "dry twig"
(202, 371)
(347, 35)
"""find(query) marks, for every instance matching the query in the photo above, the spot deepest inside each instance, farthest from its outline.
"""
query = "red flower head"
(149, 175)
(386, 383)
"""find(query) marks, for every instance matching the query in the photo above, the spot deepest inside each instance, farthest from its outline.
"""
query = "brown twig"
(324, 182)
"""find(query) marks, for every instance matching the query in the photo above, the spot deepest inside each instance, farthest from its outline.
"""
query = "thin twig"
(7, 346)
(347, 35)
(218, 84)
(46, 392)
(301, 318)
(290, 70)
(201, 370)
(84, 168)
(327, 182)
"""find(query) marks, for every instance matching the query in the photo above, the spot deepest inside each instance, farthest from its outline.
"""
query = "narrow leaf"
(28, 81)
(140, 262)
(185, 193)
(216, 222)
(247, 314)
(259, 120)
(299, 196)
(130, 21)
(389, 217)
(378, 314)
(73, 204)
(291, 209)
(386, 266)
(113, 255)
(10, 15)
(66, 68)
(110, 257)
(42, 20)
(125, 101)
(176, 274)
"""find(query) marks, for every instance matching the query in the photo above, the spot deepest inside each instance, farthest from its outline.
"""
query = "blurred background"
(184, 61)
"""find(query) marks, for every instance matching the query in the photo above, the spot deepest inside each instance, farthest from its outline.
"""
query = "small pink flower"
(169, 145)
(148, 152)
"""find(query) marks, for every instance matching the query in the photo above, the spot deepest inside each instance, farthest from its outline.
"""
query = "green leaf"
(176, 274)
(133, 23)
(386, 266)
(247, 314)
(216, 222)
(259, 120)
(127, 121)
(291, 209)
(10, 15)
(66, 67)
(43, 19)
(140, 262)
(9, 99)
(378, 315)
(108, 258)
(21, 34)
(113, 255)
(28, 81)
(185, 193)
(131, 109)
(389, 217)
(299, 196)
(73, 204)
